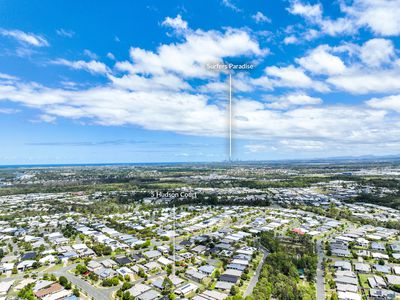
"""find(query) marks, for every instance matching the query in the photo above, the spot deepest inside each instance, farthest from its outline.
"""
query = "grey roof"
(382, 269)
(382, 294)
(149, 295)
(341, 264)
(346, 280)
(207, 269)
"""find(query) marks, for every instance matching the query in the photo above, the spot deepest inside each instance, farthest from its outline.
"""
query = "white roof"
(223, 285)
(24, 283)
(58, 295)
(215, 295)
(348, 296)
(396, 270)
(164, 261)
(5, 286)
(233, 272)
(240, 262)
(79, 246)
(138, 289)
(393, 279)
(187, 288)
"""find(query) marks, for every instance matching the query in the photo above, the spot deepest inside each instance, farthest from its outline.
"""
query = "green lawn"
(364, 279)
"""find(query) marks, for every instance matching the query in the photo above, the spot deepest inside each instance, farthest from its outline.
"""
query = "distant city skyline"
(129, 83)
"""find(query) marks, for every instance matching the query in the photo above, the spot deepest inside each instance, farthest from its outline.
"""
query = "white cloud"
(387, 103)
(47, 118)
(241, 82)
(358, 69)
(176, 23)
(110, 56)
(214, 87)
(302, 144)
(156, 110)
(8, 77)
(135, 82)
(257, 148)
(8, 111)
(65, 33)
(194, 114)
(337, 27)
(320, 61)
(275, 77)
(188, 59)
(361, 81)
(314, 14)
(376, 52)
(311, 34)
(259, 17)
(153, 91)
(291, 100)
(231, 5)
(92, 66)
(381, 16)
(308, 11)
(290, 40)
(25, 38)
(291, 76)
(90, 54)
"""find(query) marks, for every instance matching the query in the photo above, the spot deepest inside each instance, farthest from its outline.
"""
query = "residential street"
(96, 293)
(254, 279)
(320, 272)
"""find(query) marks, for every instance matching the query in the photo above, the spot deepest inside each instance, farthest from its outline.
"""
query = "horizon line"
(227, 162)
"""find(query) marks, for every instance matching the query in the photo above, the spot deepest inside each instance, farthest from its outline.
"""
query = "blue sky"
(127, 82)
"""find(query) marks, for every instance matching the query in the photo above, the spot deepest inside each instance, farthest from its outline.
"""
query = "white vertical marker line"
(174, 243)
(230, 116)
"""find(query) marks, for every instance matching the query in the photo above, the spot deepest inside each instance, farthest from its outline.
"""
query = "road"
(254, 279)
(320, 272)
(95, 292)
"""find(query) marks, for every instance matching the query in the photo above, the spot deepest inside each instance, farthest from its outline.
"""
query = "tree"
(169, 269)
(27, 293)
(167, 286)
(217, 273)
(126, 296)
(94, 276)
(114, 281)
(141, 273)
(81, 269)
(234, 290)
(76, 292)
(102, 249)
(334, 296)
(64, 282)
(126, 286)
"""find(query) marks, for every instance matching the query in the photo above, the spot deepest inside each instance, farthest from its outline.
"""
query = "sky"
(126, 81)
